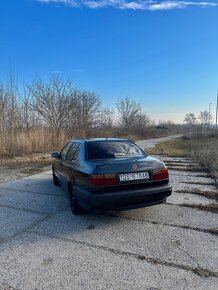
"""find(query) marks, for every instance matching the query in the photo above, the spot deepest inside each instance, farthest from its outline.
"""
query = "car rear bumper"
(125, 199)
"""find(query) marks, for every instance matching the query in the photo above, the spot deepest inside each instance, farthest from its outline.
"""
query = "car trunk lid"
(126, 171)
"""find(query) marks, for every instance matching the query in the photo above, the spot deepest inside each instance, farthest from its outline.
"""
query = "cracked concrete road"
(170, 246)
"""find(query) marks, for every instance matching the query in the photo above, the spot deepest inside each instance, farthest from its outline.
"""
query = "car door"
(59, 166)
(71, 163)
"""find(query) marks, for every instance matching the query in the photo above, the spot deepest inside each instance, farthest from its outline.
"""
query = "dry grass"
(204, 149)
(38, 140)
(43, 140)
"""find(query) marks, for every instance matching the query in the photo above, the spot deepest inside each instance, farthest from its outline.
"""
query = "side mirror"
(55, 155)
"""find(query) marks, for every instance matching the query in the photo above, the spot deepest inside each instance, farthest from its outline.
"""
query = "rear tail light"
(160, 174)
(103, 179)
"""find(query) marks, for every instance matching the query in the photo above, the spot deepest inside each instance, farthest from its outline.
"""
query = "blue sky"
(164, 54)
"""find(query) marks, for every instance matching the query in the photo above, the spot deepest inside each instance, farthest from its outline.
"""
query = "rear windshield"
(112, 149)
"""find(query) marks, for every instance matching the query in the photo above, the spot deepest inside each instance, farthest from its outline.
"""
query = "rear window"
(112, 149)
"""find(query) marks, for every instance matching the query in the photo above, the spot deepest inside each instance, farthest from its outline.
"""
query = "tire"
(55, 180)
(74, 205)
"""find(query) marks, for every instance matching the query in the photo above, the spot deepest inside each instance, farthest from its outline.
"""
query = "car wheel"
(75, 207)
(55, 180)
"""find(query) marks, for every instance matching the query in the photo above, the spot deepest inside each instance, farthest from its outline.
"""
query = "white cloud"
(168, 5)
(71, 3)
(152, 5)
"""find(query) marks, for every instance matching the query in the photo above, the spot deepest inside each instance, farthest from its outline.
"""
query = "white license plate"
(134, 176)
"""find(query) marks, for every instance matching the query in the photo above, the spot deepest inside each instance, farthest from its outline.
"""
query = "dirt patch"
(22, 166)
(34, 169)
(10, 162)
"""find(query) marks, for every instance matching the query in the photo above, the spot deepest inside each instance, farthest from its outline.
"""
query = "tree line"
(41, 115)
(203, 120)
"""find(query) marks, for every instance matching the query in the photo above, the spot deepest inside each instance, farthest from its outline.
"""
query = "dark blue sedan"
(108, 173)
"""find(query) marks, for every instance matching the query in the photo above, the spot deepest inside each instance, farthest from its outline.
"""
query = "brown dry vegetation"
(43, 140)
(204, 149)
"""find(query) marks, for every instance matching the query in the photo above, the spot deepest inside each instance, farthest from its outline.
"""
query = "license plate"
(134, 176)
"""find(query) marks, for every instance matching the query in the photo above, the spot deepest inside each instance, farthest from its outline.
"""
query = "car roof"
(98, 140)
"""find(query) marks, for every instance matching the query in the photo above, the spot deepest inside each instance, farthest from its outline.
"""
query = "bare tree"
(9, 113)
(205, 118)
(190, 119)
(53, 101)
(141, 122)
(129, 110)
(3, 107)
(12, 94)
(107, 117)
(88, 109)
(28, 115)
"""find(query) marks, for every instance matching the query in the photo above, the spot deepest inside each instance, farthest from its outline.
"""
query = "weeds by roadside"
(204, 149)
(201, 147)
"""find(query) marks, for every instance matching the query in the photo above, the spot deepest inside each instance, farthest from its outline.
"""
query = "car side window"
(77, 152)
(65, 150)
(71, 153)
(74, 152)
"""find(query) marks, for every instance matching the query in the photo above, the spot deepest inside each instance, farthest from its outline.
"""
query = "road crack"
(209, 231)
(202, 272)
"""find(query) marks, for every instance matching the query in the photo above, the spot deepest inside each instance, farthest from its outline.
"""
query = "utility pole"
(209, 113)
(216, 108)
